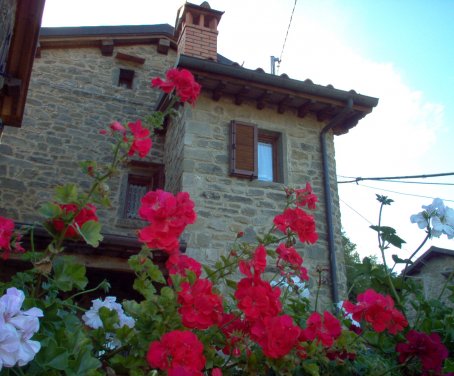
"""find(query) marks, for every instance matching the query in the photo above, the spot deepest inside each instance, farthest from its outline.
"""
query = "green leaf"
(50, 210)
(53, 356)
(68, 274)
(66, 194)
(91, 232)
(109, 318)
(311, 368)
(398, 260)
(231, 283)
(384, 200)
(388, 234)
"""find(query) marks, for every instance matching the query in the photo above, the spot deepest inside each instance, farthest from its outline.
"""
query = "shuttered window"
(243, 148)
(254, 153)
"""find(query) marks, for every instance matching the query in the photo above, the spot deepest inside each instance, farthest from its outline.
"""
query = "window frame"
(150, 175)
(240, 147)
(126, 78)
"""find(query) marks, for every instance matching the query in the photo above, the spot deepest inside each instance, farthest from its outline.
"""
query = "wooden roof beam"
(327, 112)
(286, 101)
(304, 109)
(261, 99)
(218, 91)
(239, 96)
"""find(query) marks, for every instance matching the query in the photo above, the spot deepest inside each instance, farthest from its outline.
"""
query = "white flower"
(340, 305)
(16, 329)
(9, 345)
(92, 319)
(438, 217)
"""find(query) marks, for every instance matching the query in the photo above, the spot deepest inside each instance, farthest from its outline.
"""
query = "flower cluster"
(76, 217)
(306, 197)
(378, 310)
(182, 81)
(293, 259)
(200, 307)
(298, 221)
(437, 218)
(179, 352)
(168, 216)
(325, 330)
(91, 317)
(428, 348)
(139, 141)
(9, 241)
(17, 327)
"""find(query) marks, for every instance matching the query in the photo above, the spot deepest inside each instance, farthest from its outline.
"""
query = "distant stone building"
(433, 268)
(249, 135)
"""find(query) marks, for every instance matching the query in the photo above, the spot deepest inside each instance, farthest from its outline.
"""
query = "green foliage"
(91, 233)
(68, 274)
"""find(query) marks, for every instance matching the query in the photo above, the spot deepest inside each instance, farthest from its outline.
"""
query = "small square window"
(126, 78)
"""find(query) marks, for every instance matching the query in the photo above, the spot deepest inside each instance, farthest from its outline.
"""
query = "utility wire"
(285, 39)
(401, 193)
(356, 180)
(415, 182)
(357, 212)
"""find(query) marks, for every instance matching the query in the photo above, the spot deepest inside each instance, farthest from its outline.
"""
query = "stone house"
(249, 135)
(433, 268)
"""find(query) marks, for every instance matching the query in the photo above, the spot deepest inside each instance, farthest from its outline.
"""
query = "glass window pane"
(265, 161)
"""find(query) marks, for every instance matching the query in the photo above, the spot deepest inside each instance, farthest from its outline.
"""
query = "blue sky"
(400, 51)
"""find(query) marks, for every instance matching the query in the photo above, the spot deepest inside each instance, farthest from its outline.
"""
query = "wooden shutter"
(243, 150)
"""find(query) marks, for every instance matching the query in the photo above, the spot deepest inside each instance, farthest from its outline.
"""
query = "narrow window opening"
(126, 78)
(267, 153)
(141, 181)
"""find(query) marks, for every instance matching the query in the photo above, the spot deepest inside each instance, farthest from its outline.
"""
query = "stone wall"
(73, 94)
(226, 205)
(434, 274)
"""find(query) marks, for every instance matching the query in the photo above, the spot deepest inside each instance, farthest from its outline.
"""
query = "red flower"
(378, 310)
(181, 264)
(187, 89)
(168, 216)
(297, 220)
(257, 265)
(289, 255)
(141, 143)
(88, 213)
(216, 372)
(325, 331)
(257, 299)
(200, 307)
(177, 349)
(117, 127)
(6, 233)
(306, 197)
(428, 348)
(276, 335)
(234, 330)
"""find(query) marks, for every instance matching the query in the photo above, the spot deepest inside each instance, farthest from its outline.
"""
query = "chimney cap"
(203, 8)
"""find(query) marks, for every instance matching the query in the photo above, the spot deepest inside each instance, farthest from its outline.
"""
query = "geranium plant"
(226, 319)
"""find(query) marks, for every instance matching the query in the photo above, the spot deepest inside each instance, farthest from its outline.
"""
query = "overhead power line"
(286, 35)
(357, 212)
(402, 193)
(415, 182)
(356, 180)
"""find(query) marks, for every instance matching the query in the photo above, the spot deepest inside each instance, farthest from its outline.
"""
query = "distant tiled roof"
(426, 256)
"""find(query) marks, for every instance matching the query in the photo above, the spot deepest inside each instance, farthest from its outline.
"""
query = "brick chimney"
(196, 30)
